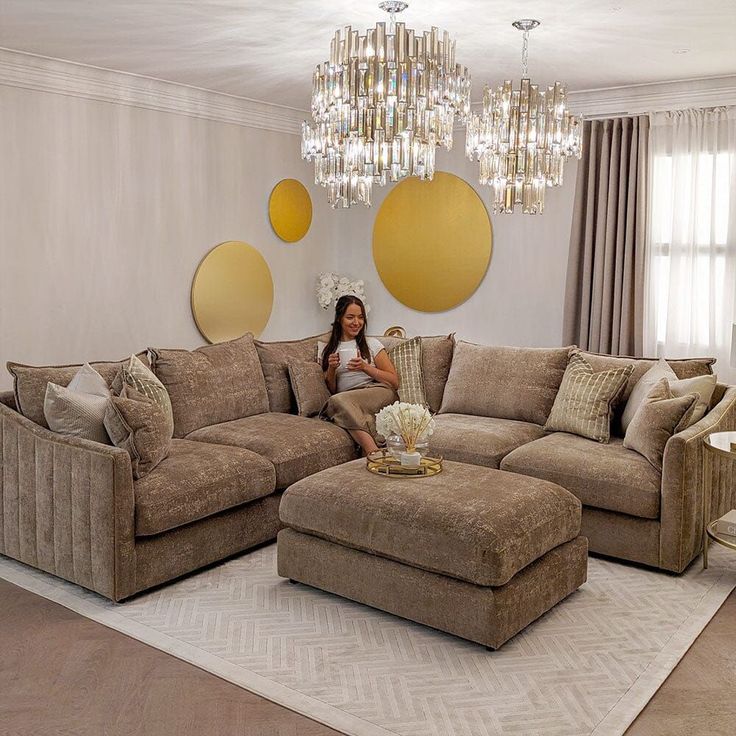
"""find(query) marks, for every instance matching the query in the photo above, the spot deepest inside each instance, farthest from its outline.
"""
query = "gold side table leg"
(707, 490)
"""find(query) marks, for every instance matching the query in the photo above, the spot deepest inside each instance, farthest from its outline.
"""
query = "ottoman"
(473, 551)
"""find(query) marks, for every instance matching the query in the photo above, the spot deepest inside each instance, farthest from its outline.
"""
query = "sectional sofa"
(71, 506)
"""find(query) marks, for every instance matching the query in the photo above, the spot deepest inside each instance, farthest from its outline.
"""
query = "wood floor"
(66, 675)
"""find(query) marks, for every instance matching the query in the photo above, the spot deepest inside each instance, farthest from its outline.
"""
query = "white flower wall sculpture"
(331, 286)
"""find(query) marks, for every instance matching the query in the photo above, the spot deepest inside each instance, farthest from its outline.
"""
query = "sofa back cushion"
(682, 367)
(504, 382)
(274, 357)
(212, 384)
(30, 381)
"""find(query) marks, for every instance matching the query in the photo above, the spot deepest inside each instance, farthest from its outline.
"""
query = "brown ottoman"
(476, 552)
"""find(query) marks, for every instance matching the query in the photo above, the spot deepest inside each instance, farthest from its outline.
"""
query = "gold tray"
(383, 463)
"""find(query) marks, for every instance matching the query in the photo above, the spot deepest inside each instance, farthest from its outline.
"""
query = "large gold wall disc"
(290, 210)
(232, 292)
(432, 242)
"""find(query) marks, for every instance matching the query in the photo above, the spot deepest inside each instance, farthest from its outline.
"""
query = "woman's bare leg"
(364, 439)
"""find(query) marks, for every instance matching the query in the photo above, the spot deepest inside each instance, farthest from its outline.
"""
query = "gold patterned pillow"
(139, 377)
(584, 403)
(407, 359)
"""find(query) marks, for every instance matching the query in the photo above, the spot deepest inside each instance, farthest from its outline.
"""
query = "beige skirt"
(357, 407)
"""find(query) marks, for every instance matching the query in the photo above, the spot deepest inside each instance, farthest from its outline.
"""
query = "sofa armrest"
(681, 517)
(66, 506)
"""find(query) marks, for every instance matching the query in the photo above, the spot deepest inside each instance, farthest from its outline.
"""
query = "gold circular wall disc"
(290, 210)
(232, 292)
(432, 242)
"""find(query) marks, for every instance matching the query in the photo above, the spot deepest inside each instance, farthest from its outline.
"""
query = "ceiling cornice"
(40, 73)
(642, 98)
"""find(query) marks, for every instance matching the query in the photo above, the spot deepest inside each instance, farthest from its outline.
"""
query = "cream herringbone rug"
(587, 667)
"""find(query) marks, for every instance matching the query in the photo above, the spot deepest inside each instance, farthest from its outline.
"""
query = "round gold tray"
(383, 463)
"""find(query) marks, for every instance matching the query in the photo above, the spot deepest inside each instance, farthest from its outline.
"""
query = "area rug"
(587, 667)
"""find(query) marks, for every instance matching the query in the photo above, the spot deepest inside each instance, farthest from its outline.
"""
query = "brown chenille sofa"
(71, 506)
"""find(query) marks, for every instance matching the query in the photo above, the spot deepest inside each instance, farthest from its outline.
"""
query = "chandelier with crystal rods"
(381, 105)
(522, 138)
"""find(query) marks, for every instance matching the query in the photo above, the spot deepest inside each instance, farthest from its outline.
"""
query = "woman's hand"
(333, 360)
(357, 364)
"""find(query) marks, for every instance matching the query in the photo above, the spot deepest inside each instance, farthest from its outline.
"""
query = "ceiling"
(266, 51)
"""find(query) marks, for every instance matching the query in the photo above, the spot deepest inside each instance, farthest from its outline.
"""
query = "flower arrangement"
(411, 422)
(331, 286)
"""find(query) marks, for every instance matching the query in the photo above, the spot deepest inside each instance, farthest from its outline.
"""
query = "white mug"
(346, 355)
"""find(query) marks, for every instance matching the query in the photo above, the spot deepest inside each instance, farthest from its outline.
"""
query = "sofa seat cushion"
(471, 523)
(604, 476)
(479, 440)
(198, 480)
(297, 446)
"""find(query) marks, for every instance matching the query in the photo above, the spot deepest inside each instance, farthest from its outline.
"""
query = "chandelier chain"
(525, 55)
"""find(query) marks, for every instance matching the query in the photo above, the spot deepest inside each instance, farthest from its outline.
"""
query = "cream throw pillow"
(703, 386)
(584, 403)
(78, 410)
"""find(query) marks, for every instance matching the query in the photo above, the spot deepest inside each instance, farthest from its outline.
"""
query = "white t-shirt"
(347, 379)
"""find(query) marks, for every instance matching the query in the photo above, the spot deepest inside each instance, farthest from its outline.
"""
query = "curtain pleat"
(604, 296)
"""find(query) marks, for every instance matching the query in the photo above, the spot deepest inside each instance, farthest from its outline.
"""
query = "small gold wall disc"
(232, 292)
(290, 210)
(432, 242)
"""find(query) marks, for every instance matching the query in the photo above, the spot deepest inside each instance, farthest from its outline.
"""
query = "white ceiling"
(267, 50)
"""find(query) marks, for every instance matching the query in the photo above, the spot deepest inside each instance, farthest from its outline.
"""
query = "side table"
(716, 444)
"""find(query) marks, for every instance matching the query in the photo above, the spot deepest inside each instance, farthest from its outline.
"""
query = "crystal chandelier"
(522, 138)
(381, 105)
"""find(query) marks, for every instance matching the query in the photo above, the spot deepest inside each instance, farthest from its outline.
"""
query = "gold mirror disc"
(232, 292)
(290, 210)
(432, 242)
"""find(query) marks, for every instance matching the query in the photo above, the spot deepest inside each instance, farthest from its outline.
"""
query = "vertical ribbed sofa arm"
(66, 506)
(681, 514)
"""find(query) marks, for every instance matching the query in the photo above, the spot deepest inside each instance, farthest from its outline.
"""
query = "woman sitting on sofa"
(358, 372)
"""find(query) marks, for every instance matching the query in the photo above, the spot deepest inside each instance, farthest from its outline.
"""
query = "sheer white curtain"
(691, 244)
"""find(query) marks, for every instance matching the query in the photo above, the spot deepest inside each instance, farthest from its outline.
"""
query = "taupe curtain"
(604, 298)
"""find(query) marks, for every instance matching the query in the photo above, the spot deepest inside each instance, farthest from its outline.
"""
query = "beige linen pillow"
(643, 386)
(407, 359)
(78, 410)
(584, 403)
(139, 377)
(659, 417)
(703, 386)
(139, 425)
(310, 388)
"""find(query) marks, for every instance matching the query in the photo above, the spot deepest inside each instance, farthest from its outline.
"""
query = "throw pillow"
(585, 401)
(643, 386)
(659, 417)
(78, 410)
(139, 377)
(310, 389)
(212, 384)
(407, 359)
(504, 382)
(138, 424)
(274, 357)
(703, 386)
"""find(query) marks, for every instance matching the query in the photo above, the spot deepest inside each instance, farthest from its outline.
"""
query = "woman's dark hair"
(340, 308)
